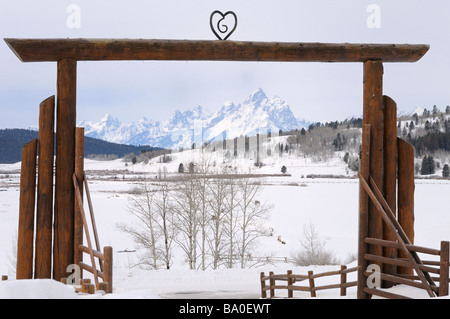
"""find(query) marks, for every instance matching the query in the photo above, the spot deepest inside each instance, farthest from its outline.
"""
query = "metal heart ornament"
(223, 24)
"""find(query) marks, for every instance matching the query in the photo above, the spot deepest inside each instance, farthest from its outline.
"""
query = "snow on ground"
(331, 205)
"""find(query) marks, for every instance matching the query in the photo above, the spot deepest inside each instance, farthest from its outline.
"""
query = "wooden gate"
(378, 112)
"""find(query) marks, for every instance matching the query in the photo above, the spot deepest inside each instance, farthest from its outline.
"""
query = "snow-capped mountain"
(257, 114)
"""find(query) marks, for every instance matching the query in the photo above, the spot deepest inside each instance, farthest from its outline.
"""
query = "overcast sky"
(132, 90)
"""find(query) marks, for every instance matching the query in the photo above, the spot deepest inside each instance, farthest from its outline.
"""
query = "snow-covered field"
(331, 205)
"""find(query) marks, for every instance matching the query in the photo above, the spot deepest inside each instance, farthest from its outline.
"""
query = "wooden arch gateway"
(382, 232)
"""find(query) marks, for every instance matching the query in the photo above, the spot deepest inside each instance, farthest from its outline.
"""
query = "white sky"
(132, 90)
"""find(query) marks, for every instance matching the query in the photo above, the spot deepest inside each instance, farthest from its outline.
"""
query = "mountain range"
(256, 114)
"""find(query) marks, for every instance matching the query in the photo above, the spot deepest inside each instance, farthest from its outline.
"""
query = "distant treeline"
(12, 141)
(431, 142)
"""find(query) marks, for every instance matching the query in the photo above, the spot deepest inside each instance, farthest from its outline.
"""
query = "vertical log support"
(263, 285)
(290, 282)
(271, 284)
(25, 236)
(65, 167)
(44, 214)
(444, 271)
(390, 177)
(79, 173)
(312, 285)
(374, 115)
(372, 163)
(108, 269)
(343, 280)
(406, 194)
(363, 213)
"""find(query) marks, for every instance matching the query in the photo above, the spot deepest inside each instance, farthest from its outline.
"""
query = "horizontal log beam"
(47, 50)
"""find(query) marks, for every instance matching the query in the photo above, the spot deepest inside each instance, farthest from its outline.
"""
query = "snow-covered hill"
(257, 114)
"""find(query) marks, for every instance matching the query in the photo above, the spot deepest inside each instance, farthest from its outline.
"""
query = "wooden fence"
(105, 259)
(441, 272)
(291, 279)
(105, 272)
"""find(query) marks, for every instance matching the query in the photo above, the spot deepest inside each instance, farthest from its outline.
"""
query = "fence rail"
(105, 273)
(428, 266)
(105, 259)
(291, 279)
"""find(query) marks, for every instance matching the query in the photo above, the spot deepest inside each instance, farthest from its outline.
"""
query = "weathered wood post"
(44, 212)
(63, 255)
(263, 285)
(290, 282)
(108, 267)
(312, 285)
(343, 275)
(444, 271)
(79, 173)
(25, 236)
(373, 114)
(406, 194)
(363, 213)
(390, 177)
(271, 284)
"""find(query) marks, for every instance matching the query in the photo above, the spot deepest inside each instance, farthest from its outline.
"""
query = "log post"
(343, 280)
(289, 284)
(443, 271)
(108, 268)
(373, 114)
(312, 285)
(88, 288)
(44, 211)
(263, 285)
(406, 194)
(271, 284)
(363, 213)
(102, 286)
(390, 178)
(79, 173)
(65, 167)
(25, 236)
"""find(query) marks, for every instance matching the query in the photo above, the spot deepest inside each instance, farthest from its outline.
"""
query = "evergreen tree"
(431, 165)
(435, 111)
(428, 165)
(346, 157)
(416, 118)
(283, 169)
(446, 171)
(424, 170)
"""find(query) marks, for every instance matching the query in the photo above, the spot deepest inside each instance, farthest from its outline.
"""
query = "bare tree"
(232, 201)
(163, 208)
(313, 249)
(144, 230)
(186, 217)
(202, 177)
(254, 213)
(218, 214)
